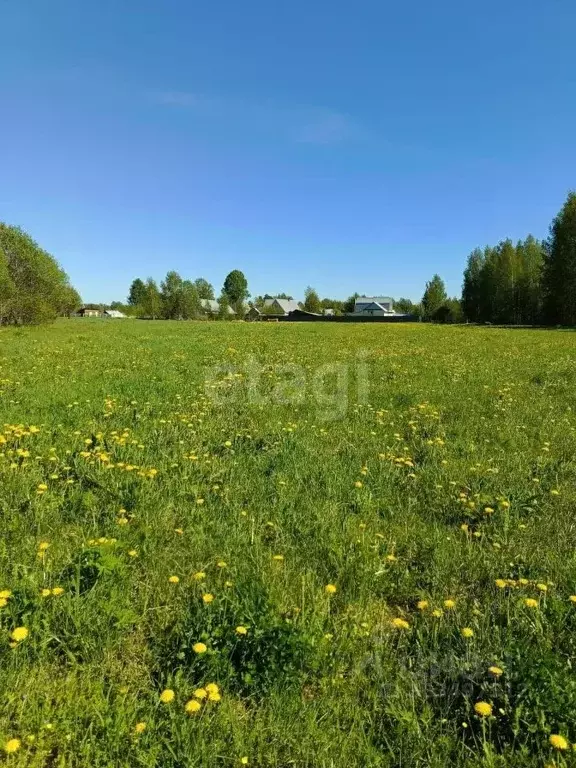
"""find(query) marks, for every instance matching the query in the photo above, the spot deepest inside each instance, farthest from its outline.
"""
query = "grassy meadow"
(278, 544)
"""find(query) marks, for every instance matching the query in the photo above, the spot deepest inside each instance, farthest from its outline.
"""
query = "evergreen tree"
(434, 297)
(559, 275)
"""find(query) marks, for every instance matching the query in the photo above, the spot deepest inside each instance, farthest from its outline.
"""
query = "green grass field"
(287, 545)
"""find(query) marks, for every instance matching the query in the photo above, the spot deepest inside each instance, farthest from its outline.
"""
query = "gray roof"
(211, 305)
(374, 299)
(287, 305)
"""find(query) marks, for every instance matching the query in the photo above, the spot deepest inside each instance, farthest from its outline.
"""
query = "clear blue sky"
(347, 145)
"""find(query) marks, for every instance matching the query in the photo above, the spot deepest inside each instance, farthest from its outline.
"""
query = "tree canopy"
(235, 289)
(33, 287)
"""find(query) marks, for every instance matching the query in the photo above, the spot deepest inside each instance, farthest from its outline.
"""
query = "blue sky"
(350, 146)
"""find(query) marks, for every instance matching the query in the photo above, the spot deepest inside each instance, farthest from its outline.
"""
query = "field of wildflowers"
(230, 544)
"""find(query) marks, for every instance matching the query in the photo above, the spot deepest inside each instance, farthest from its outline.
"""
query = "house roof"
(287, 305)
(374, 299)
(211, 305)
(114, 313)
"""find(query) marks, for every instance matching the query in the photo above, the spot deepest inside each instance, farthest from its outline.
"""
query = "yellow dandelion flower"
(58, 591)
(572, 598)
(241, 630)
(436, 613)
(167, 696)
(529, 602)
(199, 576)
(400, 623)
(391, 558)
(501, 583)
(200, 693)
(542, 587)
(221, 564)
(244, 760)
(45, 592)
(483, 709)
(3, 602)
(140, 727)
(207, 598)
(558, 742)
(43, 546)
(5, 594)
(330, 589)
(174, 579)
(19, 634)
(422, 605)
(214, 696)
(496, 671)
(179, 531)
(358, 484)
(11, 746)
(449, 604)
(199, 648)
(212, 688)
(192, 706)
(132, 553)
(467, 632)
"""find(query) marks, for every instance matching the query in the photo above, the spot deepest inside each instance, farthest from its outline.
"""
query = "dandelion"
(200, 693)
(212, 688)
(167, 696)
(422, 605)
(391, 558)
(192, 706)
(3, 602)
(5, 594)
(199, 576)
(467, 633)
(11, 746)
(244, 760)
(572, 598)
(174, 579)
(221, 564)
(207, 598)
(45, 592)
(278, 558)
(330, 589)
(501, 583)
(214, 696)
(437, 613)
(558, 742)
(139, 728)
(358, 484)
(58, 591)
(132, 553)
(400, 623)
(449, 604)
(542, 587)
(19, 634)
(496, 671)
(483, 709)
(199, 648)
(529, 602)
(240, 630)
(43, 546)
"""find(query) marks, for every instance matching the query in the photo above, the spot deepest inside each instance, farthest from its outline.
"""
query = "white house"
(374, 305)
(114, 313)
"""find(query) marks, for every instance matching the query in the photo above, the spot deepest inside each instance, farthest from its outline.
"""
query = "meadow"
(279, 544)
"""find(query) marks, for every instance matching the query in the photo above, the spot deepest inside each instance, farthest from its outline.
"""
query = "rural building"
(280, 306)
(374, 306)
(85, 312)
(113, 313)
(211, 307)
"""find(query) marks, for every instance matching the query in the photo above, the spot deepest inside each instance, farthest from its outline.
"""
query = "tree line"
(177, 298)
(33, 286)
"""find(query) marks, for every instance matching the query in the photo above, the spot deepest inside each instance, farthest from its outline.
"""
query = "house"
(113, 313)
(280, 306)
(211, 307)
(374, 305)
(85, 312)
(329, 312)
